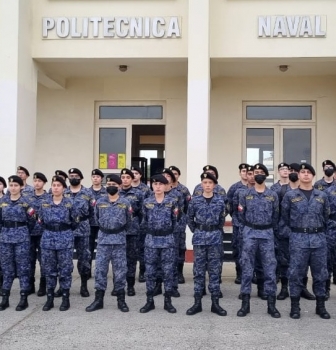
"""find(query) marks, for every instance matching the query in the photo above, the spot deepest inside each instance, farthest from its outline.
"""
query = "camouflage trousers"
(131, 254)
(81, 244)
(35, 254)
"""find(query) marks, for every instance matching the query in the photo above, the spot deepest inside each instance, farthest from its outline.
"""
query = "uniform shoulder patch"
(102, 205)
(68, 205)
(270, 198)
(149, 205)
(45, 205)
(249, 197)
(296, 199)
(319, 199)
(87, 198)
(121, 205)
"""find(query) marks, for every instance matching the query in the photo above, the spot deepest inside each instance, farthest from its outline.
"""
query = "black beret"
(211, 167)
(328, 162)
(209, 176)
(59, 179)
(307, 167)
(23, 169)
(113, 178)
(97, 172)
(76, 171)
(126, 171)
(294, 166)
(250, 168)
(15, 178)
(136, 168)
(3, 181)
(243, 166)
(261, 166)
(159, 178)
(61, 173)
(170, 173)
(281, 165)
(173, 167)
(40, 176)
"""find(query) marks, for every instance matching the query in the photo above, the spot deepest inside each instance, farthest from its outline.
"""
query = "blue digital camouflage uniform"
(57, 242)
(17, 220)
(259, 213)
(135, 199)
(84, 204)
(306, 248)
(28, 190)
(159, 222)
(114, 219)
(322, 185)
(206, 221)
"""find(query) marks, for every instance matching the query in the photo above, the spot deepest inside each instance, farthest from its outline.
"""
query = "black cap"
(250, 168)
(307, 167)
(76, 171)
(97, 172)
(173, 167)
(61, 173)
(260, 166)
(281, 165)
(59, 179)
(328, 162)
(136, 168)
(23, 169)
(113, 178)
(211, 167)
(15, 178)
(126, 171)
(209, 176)
(159, 178)
(294, 166)
(41, 177)
(3, 181)
(243, 166)
(170, 173)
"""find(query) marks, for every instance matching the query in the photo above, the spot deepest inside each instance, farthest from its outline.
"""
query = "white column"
(18, 87)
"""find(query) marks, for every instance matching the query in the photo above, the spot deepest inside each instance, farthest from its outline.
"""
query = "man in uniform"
(283, 172)
(23, 174)
(328, 178)
(305, 213)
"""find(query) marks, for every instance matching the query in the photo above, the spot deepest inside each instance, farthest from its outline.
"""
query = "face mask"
(293, 177)
(259, 179)
(112, 190)
(329, 172)
(74, 182)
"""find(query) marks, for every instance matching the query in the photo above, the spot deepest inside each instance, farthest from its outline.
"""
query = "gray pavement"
(111, 329)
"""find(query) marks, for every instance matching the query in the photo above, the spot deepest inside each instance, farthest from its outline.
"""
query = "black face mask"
(74, 182)
(329, 172)
(259, 179)
(112, 190)
(293, 177)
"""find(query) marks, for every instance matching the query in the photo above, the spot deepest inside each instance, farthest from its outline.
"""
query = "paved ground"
(111, 329)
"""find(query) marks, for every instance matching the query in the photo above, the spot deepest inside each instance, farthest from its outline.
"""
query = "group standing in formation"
(278, 234)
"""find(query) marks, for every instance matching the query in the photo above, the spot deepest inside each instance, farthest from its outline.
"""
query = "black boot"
(320, 308)
(142, 271)
(149, 305)
(175, 293)
(23, 303)
(220, 296)
(58, 293)
(284, 289)
(197, 307)
(1, 282)
(327, 295)
(295, 308)
(168, 306)
(98, 303)
(245, 308)
(5, 299)
(260, 287)
(65, 300)
(238, 275)
(181, 279)
(42, 288)
(122, 306)
(158, 288)
(83, 288)
(254, 278)
(114, 292)
(50, 300)
(130, 286)
(271, 309)
(305, 292)
(31, 289)
(216, 308)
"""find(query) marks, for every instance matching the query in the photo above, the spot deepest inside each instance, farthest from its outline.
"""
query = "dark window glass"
(130, 112)
(112, 148)
(279, 112)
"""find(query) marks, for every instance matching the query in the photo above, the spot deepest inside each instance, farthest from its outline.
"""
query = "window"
(130, 112)
(278, 112)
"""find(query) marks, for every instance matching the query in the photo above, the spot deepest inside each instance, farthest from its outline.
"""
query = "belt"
(307, 229)
(13, 224)
(160, 233)
(57, 227)
(207, 227)
(111, 231)
(259, 227)
(332, 217)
